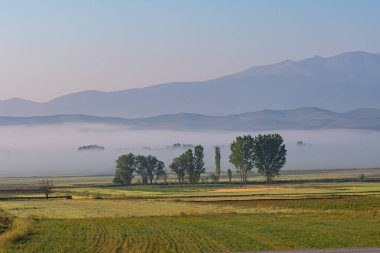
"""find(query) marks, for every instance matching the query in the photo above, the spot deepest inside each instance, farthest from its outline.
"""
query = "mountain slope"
(340, 83)
(301, 118)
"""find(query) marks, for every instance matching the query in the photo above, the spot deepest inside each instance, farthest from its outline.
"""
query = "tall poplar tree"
(217, 162)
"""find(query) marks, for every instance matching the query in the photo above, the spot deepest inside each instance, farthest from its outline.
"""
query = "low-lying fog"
(52, 150)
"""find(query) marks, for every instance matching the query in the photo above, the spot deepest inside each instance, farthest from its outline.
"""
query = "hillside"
(301, 118)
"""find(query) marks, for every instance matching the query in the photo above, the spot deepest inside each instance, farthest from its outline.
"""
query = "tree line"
(148, 167)
(265, 152)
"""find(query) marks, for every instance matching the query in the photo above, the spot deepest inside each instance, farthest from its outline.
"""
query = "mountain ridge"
(300, 118)
(340, 83)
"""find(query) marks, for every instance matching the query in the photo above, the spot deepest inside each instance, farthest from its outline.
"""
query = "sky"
(51, 48)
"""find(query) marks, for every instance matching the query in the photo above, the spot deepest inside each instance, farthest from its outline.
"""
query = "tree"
(177, 167)
(190, 164)
(270, 155)
(141, 168)
(46, 185)
(187, 162)
(229, 174)
(217, 162)
(154, 168)
(199, 164)
(150, 163)
(242, 155)
(125, 166)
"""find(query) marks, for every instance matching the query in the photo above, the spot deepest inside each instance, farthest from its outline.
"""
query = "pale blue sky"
(50, 48)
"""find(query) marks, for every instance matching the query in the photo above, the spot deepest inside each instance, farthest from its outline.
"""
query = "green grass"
(5, 221)
(193, 218)
(220, 233)
(338, 203)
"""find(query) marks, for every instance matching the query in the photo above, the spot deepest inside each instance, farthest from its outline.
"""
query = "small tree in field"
(125, 166)
(229, 174)
(46, 185)
(189, 163)
(177, 166)
(199, 164)
(141, 168)
(154, 168)
(270, 155)
(242, 155)
(217, 162)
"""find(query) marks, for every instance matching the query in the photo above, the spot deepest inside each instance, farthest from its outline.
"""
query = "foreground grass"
(219, 233)
(206, 226)
(20, 228)
(193, 218)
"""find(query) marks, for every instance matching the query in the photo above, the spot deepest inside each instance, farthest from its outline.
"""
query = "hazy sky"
(50, 48)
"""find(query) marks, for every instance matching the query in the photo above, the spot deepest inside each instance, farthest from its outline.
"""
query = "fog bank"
(52, 150)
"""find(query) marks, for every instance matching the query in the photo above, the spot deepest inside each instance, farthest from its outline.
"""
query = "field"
(302, 210)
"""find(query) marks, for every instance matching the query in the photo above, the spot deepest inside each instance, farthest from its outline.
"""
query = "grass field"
(218, 233)
(311, 213)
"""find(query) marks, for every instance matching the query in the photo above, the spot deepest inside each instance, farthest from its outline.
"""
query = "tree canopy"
(125, 166)
(270, 155)
(242, 155)
(189, 163)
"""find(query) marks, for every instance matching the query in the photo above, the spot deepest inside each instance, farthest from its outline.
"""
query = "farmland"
(317, 209)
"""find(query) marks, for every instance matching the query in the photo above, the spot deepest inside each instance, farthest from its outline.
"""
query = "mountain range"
(340, 83)
(301, 118)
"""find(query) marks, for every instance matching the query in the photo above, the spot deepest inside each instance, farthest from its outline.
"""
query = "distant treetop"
(90, 147)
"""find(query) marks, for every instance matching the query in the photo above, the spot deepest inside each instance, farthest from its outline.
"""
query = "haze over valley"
(52, 149)
(327, 103)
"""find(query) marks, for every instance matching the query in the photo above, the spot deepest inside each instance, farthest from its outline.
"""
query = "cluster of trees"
(265, 152)
(148, 167)
(189, 164)
(179, 145)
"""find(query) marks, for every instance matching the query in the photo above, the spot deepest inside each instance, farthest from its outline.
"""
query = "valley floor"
(310, 214)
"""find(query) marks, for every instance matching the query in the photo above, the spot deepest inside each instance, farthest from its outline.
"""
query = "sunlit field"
(320, 209)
